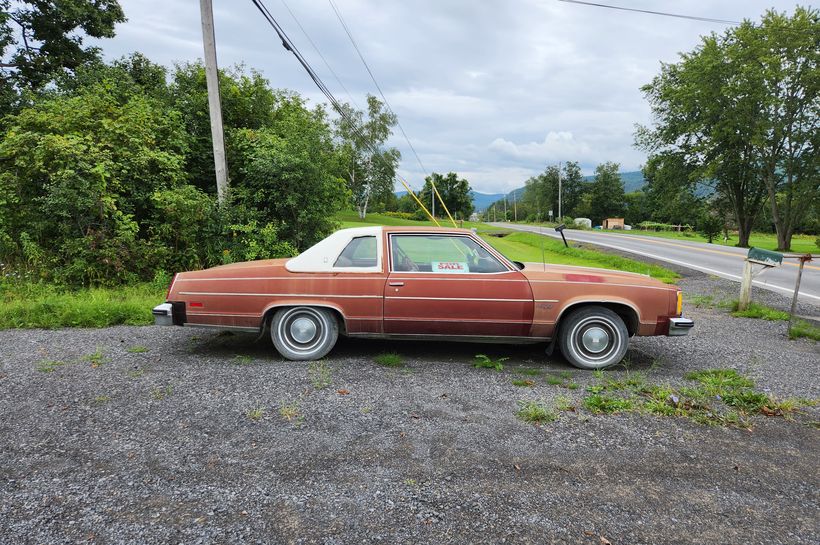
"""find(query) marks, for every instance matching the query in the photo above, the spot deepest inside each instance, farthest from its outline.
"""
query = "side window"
(360, 252)
(444, 254)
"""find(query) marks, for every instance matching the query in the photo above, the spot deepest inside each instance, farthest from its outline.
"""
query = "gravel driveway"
(209, 438)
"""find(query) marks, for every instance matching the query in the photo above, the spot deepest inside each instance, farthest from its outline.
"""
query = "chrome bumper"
(680, 326)
(163, 314)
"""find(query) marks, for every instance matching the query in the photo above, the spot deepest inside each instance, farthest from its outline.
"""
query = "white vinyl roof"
(321, 256)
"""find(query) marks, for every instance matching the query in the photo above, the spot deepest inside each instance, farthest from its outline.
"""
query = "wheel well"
(268, 316)
(625, 312)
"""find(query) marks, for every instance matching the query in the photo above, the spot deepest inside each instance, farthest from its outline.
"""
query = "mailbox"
(765, 257)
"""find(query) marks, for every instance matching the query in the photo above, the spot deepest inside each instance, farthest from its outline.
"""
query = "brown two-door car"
(425, 283)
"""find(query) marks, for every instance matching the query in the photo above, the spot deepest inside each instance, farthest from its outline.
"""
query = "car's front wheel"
(304, 333)
(593, 338)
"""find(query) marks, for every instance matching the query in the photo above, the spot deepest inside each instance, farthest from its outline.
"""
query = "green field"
(801, 244)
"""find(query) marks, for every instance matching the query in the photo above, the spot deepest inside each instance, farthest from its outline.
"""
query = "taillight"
(170, 286)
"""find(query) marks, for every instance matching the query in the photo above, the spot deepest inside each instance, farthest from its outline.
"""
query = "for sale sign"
(450, 267)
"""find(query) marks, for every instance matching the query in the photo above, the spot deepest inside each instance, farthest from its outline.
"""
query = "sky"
(492, 90)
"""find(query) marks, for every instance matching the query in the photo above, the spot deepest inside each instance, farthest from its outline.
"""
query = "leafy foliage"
(454, 191)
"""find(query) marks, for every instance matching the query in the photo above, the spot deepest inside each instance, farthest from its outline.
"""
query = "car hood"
(568, 273)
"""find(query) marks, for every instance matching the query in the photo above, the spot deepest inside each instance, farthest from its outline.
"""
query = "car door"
(451, 284)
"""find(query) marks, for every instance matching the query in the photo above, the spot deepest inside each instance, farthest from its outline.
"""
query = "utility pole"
(214, 105)
(560, 215)
(515, 208)
(505, 208)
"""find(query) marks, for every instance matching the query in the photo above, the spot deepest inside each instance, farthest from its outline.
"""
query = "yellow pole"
(442, 202)
(413, 194)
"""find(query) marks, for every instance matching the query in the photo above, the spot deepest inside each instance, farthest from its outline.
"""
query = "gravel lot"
(160, 447)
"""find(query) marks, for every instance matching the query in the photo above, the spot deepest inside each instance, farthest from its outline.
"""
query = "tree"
(39, 39)
(742, 108)
(454, 191)
(671, 189)
(369, 170)
(781, 60)
(606, 193)
(572, 187)
(710, 224)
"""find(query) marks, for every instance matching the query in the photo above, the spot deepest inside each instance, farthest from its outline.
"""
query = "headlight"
(679, 306)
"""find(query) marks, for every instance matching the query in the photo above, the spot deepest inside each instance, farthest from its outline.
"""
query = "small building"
(614, 223)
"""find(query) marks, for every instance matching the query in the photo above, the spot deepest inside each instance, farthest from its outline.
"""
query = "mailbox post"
(756, 256)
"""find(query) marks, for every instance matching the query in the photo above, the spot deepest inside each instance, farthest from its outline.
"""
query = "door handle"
(396, 283)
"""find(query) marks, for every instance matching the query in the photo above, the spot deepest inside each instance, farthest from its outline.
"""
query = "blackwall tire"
(593, 338)
(304, 333)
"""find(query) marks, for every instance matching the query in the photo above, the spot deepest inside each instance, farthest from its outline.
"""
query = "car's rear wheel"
(304, 333)
(593, 338)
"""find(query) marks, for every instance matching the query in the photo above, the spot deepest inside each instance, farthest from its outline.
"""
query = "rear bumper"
(163, 314)
(680, 326)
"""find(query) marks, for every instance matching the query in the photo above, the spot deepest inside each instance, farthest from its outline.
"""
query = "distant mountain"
(633, 181)
(480, 200)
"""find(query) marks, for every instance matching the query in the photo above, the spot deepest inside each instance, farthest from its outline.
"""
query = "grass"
(802, 328)
(49, 366)
(527, 247)
(801, 244)
(101, 400)
(161, 393)
(36, 305)
(96, 358)
(482, 361)
(289, 411)
(319, 374)
(535, 412)
(607, 404)
(389, 359)
(242, 359)
(256, 413)
(136, 349)
(762, 312)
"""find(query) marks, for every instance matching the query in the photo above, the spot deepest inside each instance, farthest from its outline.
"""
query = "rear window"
(360, 252)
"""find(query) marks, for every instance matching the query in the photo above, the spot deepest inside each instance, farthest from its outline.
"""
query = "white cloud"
(555, 146)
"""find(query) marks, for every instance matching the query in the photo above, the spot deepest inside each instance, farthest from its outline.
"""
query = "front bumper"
(163, 314)
(680, 326)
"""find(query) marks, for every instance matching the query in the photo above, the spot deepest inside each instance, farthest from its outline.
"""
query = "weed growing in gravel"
(256, 413)
(535, 412)
(136, 373)
(161, 393)
(759, 311)
(136, 349)
(389, 359)
(101, 399)
(554, 380)
(701, 301)
(802, 328)
(529, 372)
(96, 358)
(49, 366)
(564, 403)
(482, 361)
(242, 359)
(319, 374)
(563, 379)
(410, 482)
(289, 411)
(716, 381)
(606, 404)
(523, 382)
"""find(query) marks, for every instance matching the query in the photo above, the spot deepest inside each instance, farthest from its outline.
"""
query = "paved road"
(723, 261)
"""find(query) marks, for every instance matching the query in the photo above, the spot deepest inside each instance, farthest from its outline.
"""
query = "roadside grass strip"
(715, 397)
(532, 247)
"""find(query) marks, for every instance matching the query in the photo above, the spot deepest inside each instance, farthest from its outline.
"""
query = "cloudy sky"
(493, 90)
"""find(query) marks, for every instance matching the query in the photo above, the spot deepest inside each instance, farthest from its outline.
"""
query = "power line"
(650, 12)
(316, 48)
(288, 44)
(376, 83)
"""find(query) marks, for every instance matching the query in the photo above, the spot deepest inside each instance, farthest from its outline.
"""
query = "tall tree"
(572, 186)
(454, 191)
(671, 189)
(39, 39)
(743, 108)
(606, 192)
(369, 169)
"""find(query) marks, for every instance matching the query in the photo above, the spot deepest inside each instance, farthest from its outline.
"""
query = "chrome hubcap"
(303, 330)
(595, 339)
